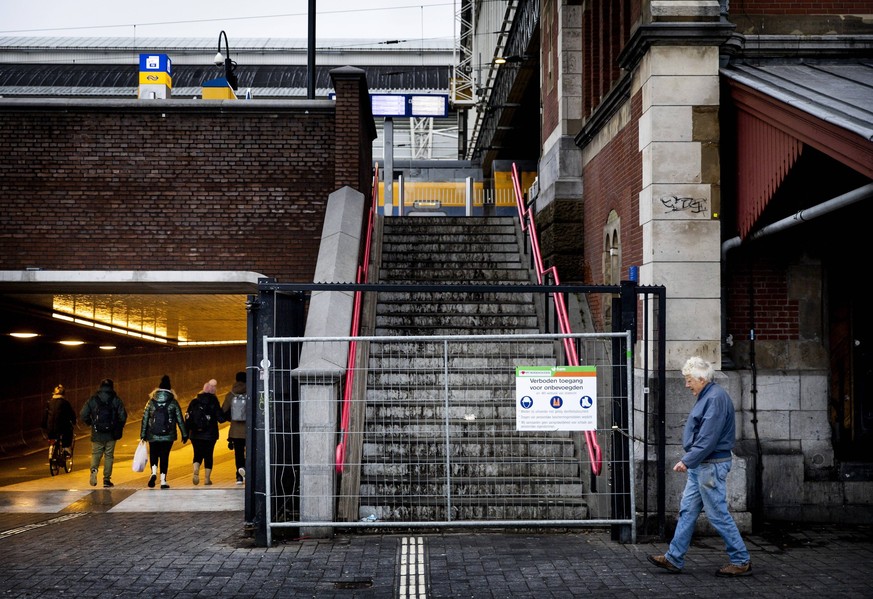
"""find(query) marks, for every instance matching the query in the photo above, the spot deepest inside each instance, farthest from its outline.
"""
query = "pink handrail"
(361, 277)
(526, 218)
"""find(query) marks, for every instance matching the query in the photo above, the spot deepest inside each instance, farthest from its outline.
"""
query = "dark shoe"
(93, 479)
(152, 481)
(662, 562)
(107, 484)
(732, 570)
(165, 486)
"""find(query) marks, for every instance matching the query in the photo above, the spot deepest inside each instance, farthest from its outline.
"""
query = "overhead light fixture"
(24, 335)
(107, 347)
(512, 58)
(71, 342)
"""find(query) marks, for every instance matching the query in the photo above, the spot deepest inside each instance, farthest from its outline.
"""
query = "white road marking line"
(413, 578)
(17, 531)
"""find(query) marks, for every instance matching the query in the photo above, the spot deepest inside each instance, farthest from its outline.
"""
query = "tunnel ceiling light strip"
(111, 329)
(140, 335)
(224, 342)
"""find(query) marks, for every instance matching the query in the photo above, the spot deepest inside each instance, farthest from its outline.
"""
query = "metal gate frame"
(268, 349)
(280, 308)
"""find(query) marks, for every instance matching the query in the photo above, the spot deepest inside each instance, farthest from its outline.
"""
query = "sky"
(363, 19)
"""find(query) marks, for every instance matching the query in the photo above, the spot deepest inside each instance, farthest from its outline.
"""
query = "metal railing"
(526, 219)
(362, 276)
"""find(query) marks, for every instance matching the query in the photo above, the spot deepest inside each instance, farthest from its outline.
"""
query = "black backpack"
(161, 420)
(104, 421)
(199, 416)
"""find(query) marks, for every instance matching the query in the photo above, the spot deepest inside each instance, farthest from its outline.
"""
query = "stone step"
(505, 321)
(452, 260)
(474, 274)
(539, 488)
(467, 439)
(395, 226)
(452, 308)
(433, 397)
(403, 244)
(409, 378)
(545, 467)
(413, 330)
(497, 433)
(415, 409)
(467, 347)
(468, 297)
(420, 509)
(494, 363)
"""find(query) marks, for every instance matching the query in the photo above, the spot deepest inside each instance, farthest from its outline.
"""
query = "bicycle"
(59, 457)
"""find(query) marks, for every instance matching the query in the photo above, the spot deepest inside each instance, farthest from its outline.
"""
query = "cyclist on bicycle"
(59, 419)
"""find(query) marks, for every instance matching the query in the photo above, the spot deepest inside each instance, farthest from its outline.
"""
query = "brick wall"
(774, 17)
(792, 7)
(178, 184)
(549, 82)
(613, 180)
(768, 308)
(133, 188)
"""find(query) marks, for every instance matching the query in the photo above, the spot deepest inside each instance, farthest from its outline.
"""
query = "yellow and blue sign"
(155, 75)
(217, 89)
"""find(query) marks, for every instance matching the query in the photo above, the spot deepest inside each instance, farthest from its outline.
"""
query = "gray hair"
(698, 368)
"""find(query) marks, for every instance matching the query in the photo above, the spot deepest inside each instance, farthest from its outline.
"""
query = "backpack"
(161, 421)
(199, 416)
(238, 407)
(104, 421)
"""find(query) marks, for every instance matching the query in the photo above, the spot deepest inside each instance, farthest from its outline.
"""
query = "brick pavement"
(87, 554)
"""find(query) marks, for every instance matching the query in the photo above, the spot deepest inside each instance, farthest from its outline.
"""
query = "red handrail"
(526, 218)
(363, 269)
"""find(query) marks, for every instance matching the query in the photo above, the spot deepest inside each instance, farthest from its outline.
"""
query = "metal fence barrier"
(446, 431)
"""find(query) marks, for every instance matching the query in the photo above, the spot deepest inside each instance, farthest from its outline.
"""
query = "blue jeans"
(707, 489)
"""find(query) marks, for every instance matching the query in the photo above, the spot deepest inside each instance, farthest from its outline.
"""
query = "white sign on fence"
(556, 398)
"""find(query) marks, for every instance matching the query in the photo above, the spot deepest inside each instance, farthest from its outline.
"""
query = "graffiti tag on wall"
(677, 204)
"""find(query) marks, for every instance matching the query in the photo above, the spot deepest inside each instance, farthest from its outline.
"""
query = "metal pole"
(388, 175)
(310, 53)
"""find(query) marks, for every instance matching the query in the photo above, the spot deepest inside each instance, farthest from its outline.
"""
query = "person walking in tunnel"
(104, 412)
(59, 419)
(202, 418)
(234, 408)
(161, 416)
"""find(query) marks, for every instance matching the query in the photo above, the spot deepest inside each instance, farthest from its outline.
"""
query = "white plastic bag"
(140, 457)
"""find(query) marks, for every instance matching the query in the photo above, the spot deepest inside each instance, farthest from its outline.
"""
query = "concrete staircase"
(430, 443)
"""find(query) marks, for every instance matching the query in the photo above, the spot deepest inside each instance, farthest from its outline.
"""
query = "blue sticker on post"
(156, 63)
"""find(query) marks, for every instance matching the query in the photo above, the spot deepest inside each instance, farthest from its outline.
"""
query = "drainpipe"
(856, 195)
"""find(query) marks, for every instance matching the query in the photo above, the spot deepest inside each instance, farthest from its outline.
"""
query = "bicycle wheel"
(68, 461)
(54, 458)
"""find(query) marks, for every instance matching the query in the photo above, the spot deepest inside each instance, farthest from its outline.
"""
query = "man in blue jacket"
(707, 440)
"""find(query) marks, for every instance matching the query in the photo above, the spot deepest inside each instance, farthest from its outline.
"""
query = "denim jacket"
(710, 429)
